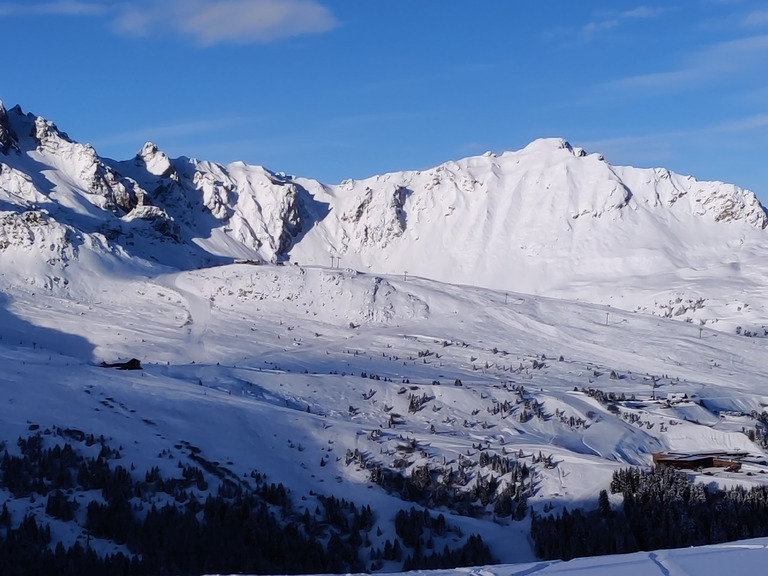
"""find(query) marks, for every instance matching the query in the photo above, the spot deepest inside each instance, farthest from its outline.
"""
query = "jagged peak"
(156, 161)
(149, 149)
(47, 134)
(8, 138)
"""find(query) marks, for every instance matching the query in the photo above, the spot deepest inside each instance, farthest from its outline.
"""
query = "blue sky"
(334, 89)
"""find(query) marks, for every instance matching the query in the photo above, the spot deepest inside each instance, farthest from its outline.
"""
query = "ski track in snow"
(733, 558)
(655, 559)
(198, 307)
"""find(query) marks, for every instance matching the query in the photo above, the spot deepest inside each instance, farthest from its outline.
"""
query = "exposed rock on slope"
(8, 138)
(181, 212)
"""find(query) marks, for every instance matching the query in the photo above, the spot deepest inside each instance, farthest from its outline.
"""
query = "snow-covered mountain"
(492, 336)
(198, 213)
(547, 219)
(542, 218)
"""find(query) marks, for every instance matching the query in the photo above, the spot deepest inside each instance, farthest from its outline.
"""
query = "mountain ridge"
(552, 210)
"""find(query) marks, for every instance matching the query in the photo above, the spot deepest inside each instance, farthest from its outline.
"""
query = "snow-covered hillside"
(493, 336)
(325, 378)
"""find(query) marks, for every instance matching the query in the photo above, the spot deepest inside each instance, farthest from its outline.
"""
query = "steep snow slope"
(146, 210)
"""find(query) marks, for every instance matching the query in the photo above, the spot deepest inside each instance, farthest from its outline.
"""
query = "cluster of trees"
(511, 499)
(219, 535)
(750, 333)
(244, 527)
(605, 398)
(182, 526)
(418, 531)
(428, 485)
(473, 553)
(758, 434)
(526, 406)
(411, 525)
(26, 550)
(416, 403)
(506, 486)
(662, 508)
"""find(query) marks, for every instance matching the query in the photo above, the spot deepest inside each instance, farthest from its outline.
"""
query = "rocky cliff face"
(178, 212)
(8, 138)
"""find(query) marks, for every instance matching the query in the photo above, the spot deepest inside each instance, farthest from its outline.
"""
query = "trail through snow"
(198, 307)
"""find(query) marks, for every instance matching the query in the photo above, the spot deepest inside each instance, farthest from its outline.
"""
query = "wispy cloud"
(715, 63)
(614, 20)
(53, 8)
(206, 22)
(737, 126)
(756, 19)
(161, 133)
(658, 145)
(210, 22)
